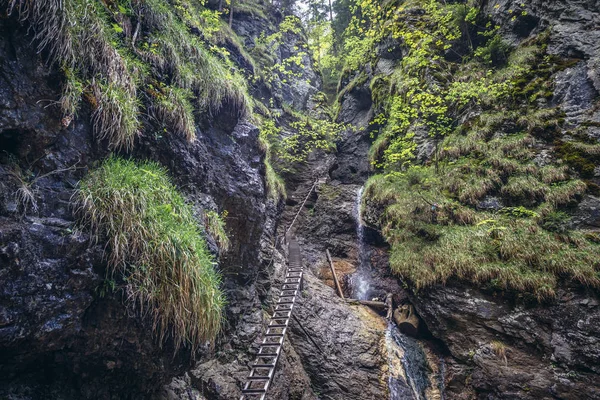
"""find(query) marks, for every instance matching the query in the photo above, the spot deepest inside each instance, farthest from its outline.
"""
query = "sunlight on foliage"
(458, 124)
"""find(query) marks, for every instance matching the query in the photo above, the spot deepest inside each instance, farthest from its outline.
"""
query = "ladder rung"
(260, 365)
(278, 323)
(281, 314)
(258, 378)
(268, 340)
(251, 385)
(272, 353)
(265, 363)
(250, 391)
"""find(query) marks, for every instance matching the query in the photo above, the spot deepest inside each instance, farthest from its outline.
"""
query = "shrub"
(155, 245)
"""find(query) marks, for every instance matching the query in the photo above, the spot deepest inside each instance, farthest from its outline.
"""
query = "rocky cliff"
(503, 344)
(67, 329)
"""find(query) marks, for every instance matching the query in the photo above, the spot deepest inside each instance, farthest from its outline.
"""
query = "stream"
(411, 375)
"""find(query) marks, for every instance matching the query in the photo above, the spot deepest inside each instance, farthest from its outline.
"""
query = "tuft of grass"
(499, 350)
(552, 174)
(155, 245)
(563, 193)
(72, 92)
(174, 108)
(269, 135)
(525, 189)
(215, 225)
(116, 116)
(275, 183)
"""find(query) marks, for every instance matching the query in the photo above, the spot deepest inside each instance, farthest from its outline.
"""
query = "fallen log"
(378, 305)
(335, 279)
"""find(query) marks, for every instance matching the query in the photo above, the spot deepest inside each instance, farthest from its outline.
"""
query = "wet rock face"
(516, 351)
(342, 356)
(352, 165)
(228, 165)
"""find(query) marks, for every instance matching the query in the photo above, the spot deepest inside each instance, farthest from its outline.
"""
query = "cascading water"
(361, 279)
(409, 369)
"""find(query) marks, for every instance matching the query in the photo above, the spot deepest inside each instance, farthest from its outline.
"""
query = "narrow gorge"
(437, 163)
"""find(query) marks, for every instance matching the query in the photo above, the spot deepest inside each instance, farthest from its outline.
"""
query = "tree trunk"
(335, 279)
(378, 305)
(231, 14)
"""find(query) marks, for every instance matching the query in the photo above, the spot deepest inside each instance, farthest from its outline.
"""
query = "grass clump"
(517, 249)
(116, 115)
(173, 106)
(499, 350)
(155, 245)
(113, 52)
(215, 225)
(269, 137)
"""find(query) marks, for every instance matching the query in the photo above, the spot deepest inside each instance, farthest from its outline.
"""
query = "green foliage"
(504, 252)
(156, 247)
(110, 66)
(482, 113)
(272, 72)
(303, 135)
(519, 212)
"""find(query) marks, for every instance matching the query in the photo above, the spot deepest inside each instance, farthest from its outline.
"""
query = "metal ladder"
(263, 370)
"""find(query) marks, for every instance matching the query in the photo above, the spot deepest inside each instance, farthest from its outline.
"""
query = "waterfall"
(410, 374)
(361, 279)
